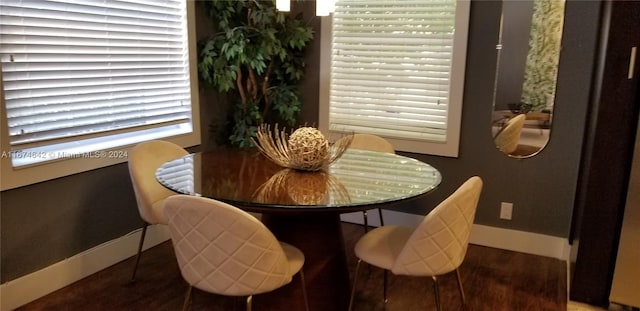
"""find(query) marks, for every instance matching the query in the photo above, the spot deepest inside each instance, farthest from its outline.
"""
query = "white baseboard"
(521, 241)
(23, 290)
(513, 240)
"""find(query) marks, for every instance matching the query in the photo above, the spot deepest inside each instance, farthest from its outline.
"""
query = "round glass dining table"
(303, 208)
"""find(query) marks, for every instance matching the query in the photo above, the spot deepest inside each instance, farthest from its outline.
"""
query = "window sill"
(33, 166)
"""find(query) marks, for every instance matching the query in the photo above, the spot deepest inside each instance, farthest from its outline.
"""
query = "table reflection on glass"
(302, 208)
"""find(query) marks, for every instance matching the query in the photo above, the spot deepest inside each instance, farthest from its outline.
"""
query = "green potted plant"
(256, 56)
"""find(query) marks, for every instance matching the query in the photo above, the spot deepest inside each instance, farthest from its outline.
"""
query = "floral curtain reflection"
(541, 69)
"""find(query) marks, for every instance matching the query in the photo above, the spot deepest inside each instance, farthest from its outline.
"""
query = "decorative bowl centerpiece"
(304, 149)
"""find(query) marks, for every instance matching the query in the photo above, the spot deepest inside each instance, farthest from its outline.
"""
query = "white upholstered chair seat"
(381, 246)
(157, 210)
(144, 160)
(508, 138)
(436, 247)
(224, 250)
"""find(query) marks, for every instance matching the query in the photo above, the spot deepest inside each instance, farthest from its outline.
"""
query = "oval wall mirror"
(526, 75)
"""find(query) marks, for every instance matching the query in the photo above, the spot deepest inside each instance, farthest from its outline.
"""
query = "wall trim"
(508, 239)
(28, 288)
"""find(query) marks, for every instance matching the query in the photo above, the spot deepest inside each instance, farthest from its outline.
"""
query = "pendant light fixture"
(283, 5)
(323, 7)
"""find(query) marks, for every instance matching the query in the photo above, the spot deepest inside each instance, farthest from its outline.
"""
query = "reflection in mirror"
(527, 69)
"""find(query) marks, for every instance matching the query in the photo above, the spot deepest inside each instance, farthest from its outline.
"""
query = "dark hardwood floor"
(493, 280)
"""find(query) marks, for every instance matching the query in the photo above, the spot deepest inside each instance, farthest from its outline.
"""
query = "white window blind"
(391, 68)
(94, 70)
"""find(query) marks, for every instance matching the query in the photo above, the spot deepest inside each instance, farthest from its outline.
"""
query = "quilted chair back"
(371, 142)
(438, 245)
(224, 250)
(508, 138)
(144, 160)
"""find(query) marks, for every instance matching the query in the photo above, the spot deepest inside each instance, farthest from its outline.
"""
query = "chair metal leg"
(249, 301)
(436, 292)
(187, 299)
(355, 281)
(135, 267)
(384, 286)
(366, 222)
(464, 300)
(304, 290)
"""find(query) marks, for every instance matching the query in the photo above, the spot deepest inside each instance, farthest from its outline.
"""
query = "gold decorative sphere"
(307, 148)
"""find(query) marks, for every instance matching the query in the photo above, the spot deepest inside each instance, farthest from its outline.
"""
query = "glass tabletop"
(360, 179)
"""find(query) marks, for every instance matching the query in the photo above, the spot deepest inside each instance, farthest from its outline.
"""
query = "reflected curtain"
(541, 69)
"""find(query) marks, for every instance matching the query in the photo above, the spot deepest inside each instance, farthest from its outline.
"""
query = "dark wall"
(47, 222)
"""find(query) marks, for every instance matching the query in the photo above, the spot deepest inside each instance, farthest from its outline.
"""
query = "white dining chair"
(224, 250)
(508, 137)
(436, 247)
(144, 160)
(373, 143)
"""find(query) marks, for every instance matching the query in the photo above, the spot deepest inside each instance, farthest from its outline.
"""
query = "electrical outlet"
(506, 209)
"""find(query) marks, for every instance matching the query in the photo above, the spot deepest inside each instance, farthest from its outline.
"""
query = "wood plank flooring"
(493, 280)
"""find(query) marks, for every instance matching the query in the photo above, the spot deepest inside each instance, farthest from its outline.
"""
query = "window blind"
(78, 68)
(391, 66)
